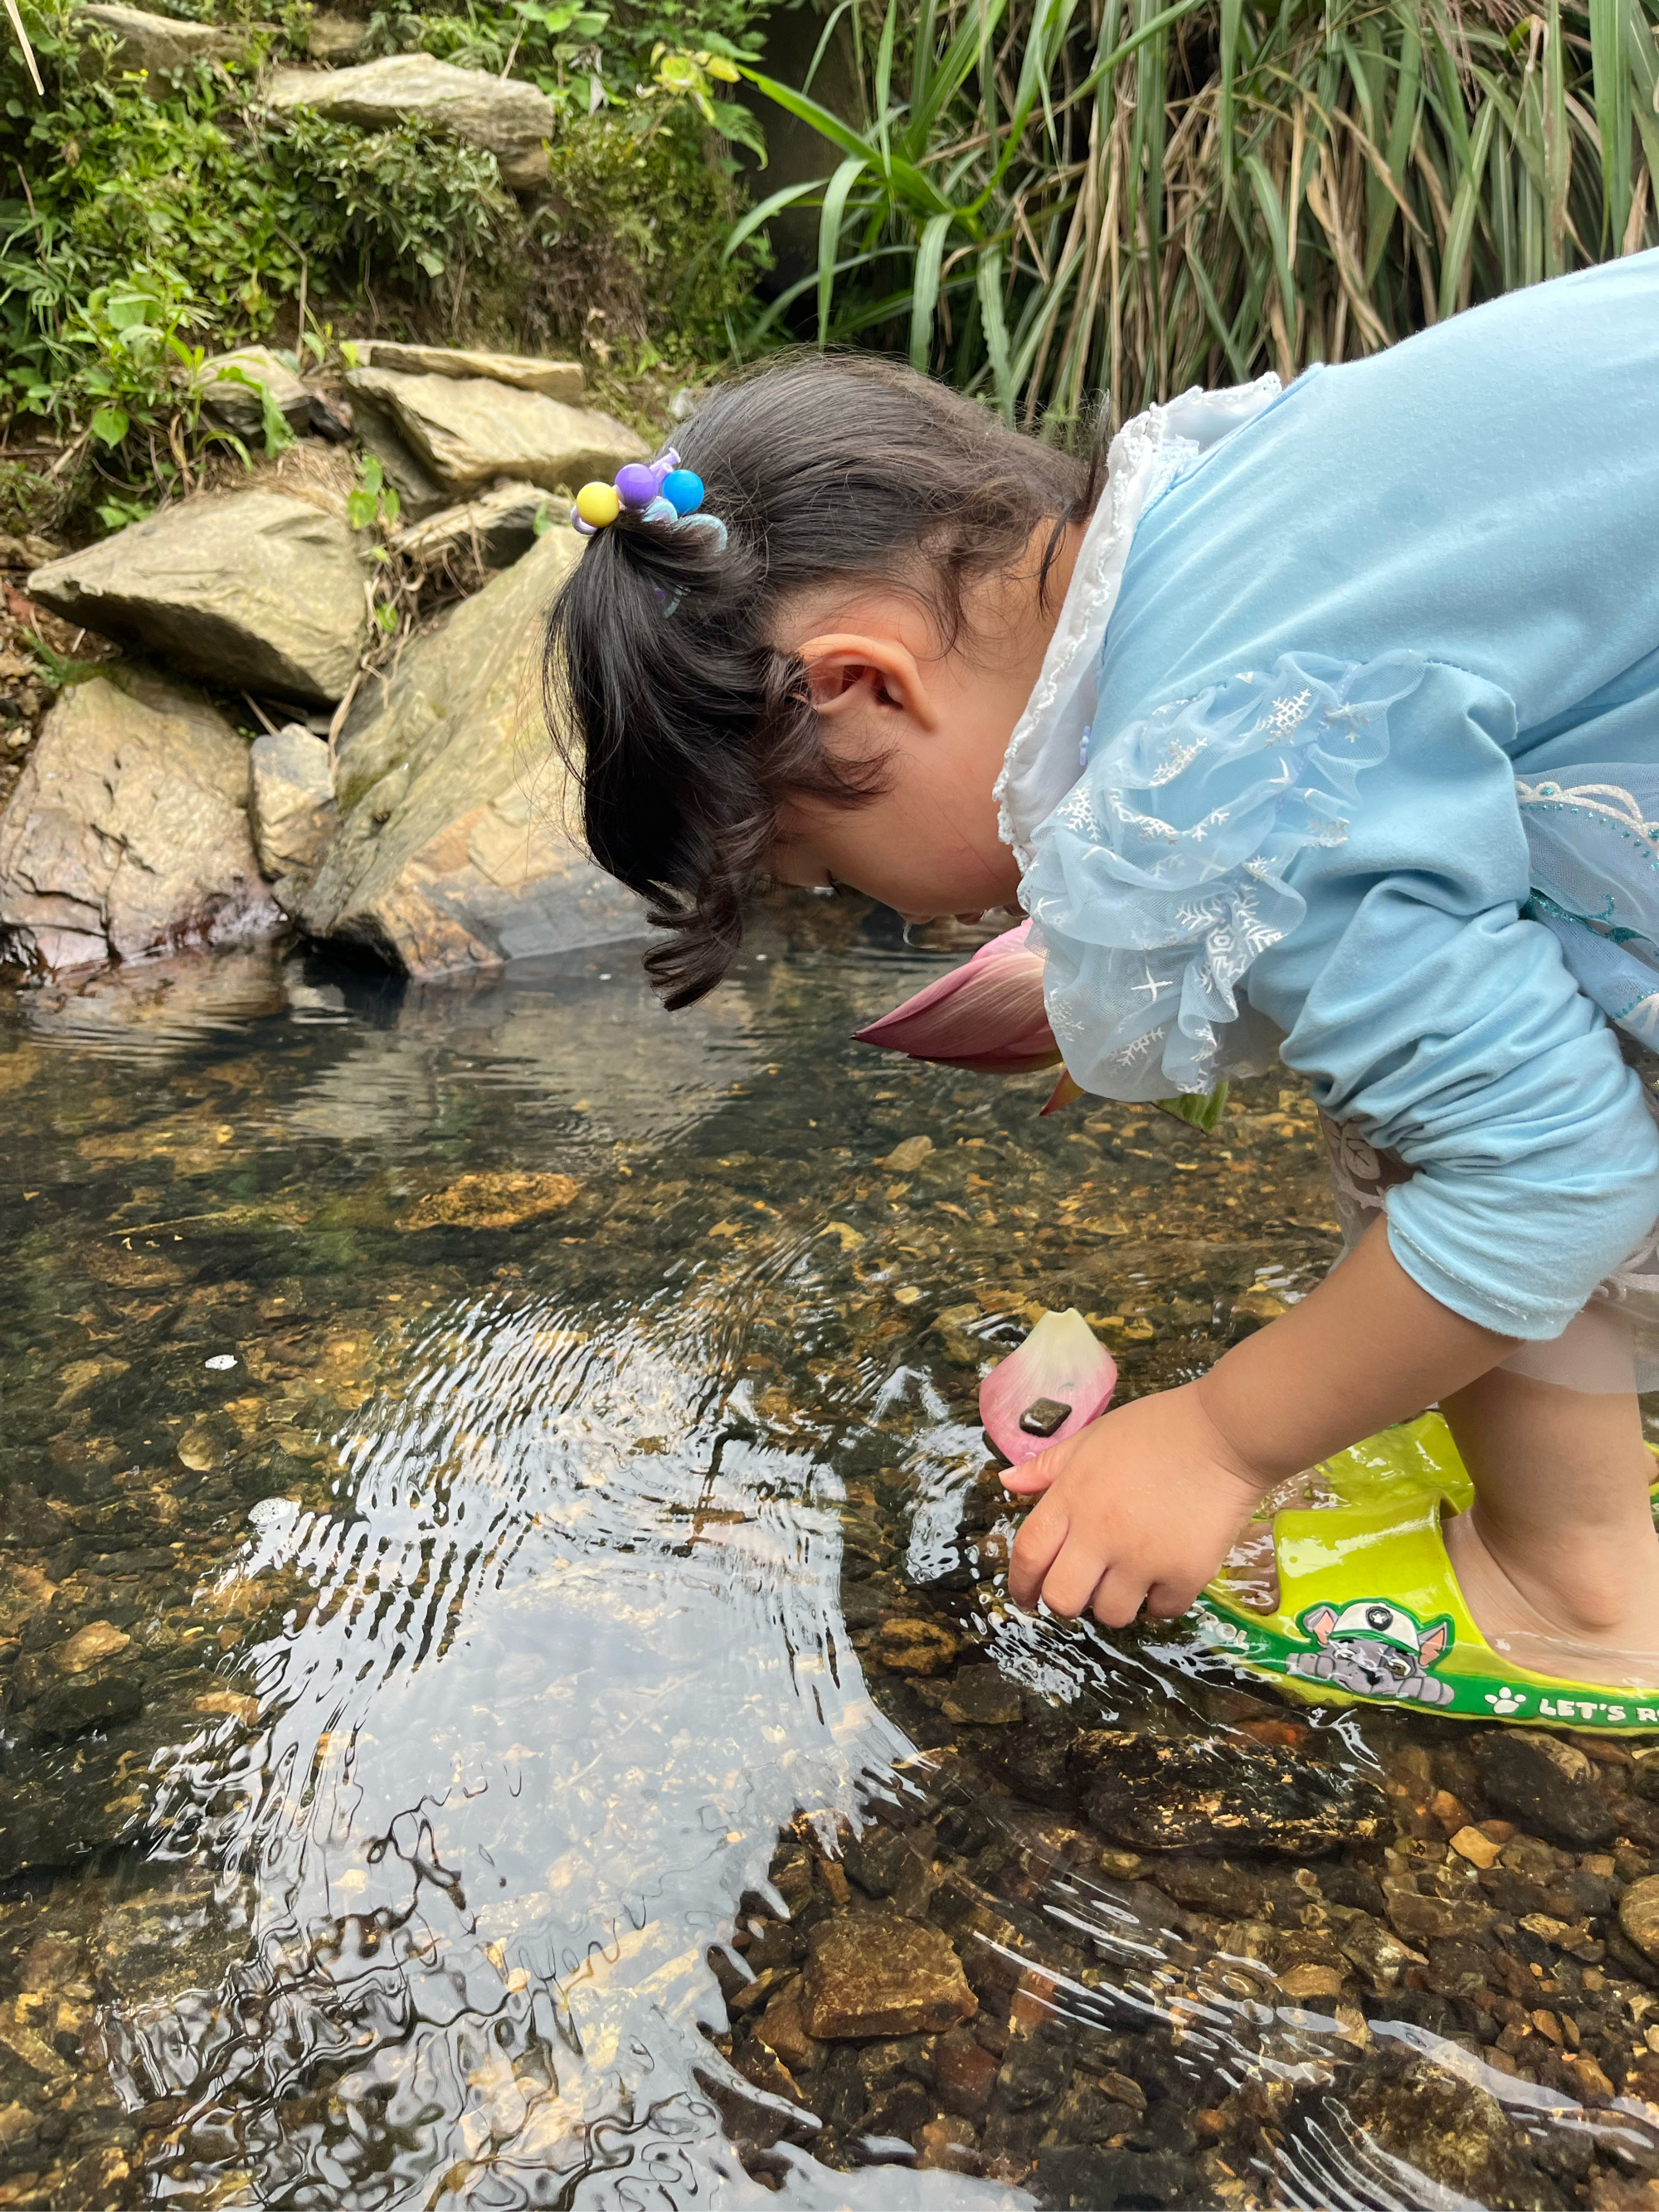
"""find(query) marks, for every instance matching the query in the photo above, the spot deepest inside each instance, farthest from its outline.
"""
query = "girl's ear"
(847, 670)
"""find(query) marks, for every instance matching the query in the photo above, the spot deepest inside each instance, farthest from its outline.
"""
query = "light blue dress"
(1373, 780)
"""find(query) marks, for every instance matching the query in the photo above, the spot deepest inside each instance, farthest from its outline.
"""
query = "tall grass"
(1052, 200)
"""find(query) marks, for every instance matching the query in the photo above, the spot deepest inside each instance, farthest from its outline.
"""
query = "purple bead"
(637, 484)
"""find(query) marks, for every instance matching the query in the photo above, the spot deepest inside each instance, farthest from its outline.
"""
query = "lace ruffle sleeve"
(1161, 875)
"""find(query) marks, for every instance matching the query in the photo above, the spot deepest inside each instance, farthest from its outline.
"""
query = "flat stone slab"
(292, 801)
(260, 593)
(557, 380)
(879, 1974)
(452, 855)
(445, 438)
(503, 115)
(497, 529)
(127, 835)
(149, 43)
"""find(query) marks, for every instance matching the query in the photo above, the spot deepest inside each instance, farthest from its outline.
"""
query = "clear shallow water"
(493, 1507)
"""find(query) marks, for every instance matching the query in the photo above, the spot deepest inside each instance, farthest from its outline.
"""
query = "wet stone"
(1162, 1793)
(1043, 1416)
(915, 1647)
(89, 1647)
(1546, 1784)
(880, 1974)
(982, 1697)
(1085, 2178)
(1639, 1915)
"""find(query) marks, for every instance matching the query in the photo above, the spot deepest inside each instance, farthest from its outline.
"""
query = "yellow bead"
(598, 504)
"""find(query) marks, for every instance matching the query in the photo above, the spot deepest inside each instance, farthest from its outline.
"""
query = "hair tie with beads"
(655, 491)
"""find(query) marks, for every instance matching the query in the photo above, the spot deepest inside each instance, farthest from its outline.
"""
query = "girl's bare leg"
(1559, 1548)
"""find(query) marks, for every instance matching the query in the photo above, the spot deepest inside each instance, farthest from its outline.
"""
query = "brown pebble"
(915, 1647)
(1451, 1812)
(947, 2144)
(1477, 1848)
(879, 1974)
(1304, 1984)
(1639, 1915)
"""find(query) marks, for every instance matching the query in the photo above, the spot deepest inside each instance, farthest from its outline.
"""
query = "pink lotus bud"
(1061, 1378)
(987, 1015)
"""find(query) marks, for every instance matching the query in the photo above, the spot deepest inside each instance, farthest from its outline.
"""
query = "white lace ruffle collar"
(1046, 754)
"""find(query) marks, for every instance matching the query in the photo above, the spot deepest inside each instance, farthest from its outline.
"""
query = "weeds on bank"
(1043, 200)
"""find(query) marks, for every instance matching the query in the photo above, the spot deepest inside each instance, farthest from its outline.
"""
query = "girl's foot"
(1586, 1606)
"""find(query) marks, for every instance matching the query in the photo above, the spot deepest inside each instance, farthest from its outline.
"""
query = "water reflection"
(431, 1735)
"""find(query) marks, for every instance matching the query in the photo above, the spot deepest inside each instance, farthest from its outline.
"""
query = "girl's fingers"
(1169, 1600)
(1071, 1582)
(1031, 1476)
(1117, 1597)
(1036, 1549)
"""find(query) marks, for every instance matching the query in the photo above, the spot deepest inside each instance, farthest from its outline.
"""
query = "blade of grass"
(1459, 231)
(996, 327)
(1611, 79)
(1279, 236)
(924, 292)
(751, 221)
(830, 223)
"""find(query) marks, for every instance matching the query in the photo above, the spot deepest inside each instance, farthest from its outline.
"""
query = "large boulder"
(145, 44)
(444, 437)
(127, 835)
(259, 591)
(503, 115)
(452, 854)
(558, 379)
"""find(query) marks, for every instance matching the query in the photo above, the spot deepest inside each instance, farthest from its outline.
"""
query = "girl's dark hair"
(683, 724)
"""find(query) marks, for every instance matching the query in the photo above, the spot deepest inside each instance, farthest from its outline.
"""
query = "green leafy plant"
(1044, 202)
(373, 503)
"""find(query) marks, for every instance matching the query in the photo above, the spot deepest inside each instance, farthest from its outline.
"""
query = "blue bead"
(683, 490)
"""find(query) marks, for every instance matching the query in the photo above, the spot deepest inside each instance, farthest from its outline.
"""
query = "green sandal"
(1369, 1612)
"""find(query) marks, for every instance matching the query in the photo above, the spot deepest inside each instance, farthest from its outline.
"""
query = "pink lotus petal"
(987, 1015)
(1061, 1360)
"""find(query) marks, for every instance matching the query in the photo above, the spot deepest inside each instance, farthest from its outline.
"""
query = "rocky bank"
(259, 756)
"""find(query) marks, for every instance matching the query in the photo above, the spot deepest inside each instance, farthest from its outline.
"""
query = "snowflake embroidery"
(1175, 757)
(1287, 713)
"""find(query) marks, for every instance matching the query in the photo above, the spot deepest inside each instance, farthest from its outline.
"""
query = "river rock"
(496, 530)
(1545, 1783)
(127, 834)
(259, 592)
(503, 115)
(1156, 1792)
(293, 809)
(1452, 2132)
(879, 1974)
(451, 855)
(443, 438)
(1638, 1914)
(525, 372)
(145, 43)
(237, 405)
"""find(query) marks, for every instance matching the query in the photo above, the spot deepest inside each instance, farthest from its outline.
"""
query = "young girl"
(1326, 728)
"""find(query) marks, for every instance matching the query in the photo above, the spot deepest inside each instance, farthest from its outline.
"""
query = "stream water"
(509, 1698)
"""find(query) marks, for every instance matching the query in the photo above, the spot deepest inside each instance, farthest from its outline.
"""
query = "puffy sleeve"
(1329, 858)
(1422, 1004)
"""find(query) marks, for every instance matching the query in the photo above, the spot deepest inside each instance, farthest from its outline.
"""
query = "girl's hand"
(1140, 1508)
